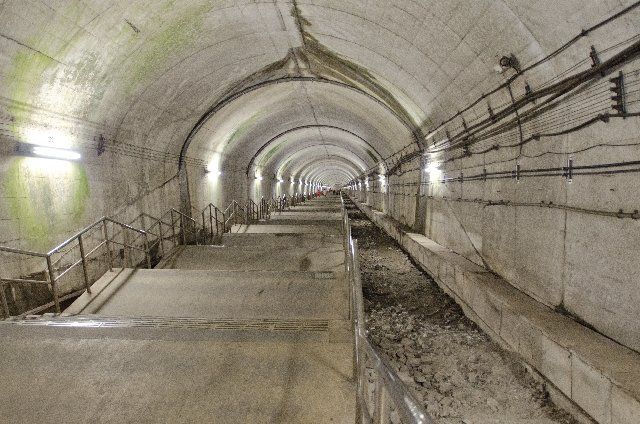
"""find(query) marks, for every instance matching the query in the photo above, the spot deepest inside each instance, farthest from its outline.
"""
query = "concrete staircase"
(256, 330)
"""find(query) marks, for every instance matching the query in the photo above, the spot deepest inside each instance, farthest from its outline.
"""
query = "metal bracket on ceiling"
(464, 124)
(568, 171)
(619, 97)
(492, 115)
(516, 173)
(528, 91)
(595, 59)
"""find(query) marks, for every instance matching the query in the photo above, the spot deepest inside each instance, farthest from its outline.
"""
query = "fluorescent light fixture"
(280, 180)
(53, 153)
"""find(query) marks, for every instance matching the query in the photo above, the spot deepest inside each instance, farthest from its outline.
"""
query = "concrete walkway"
(257, 330)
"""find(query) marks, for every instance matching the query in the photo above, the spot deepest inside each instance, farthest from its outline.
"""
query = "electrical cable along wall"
(538, 179)
(597, 102)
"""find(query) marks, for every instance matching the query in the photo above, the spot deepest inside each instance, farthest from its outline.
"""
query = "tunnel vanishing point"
(174, 243)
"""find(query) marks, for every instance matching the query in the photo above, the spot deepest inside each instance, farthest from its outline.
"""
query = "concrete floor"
(230, 334)
(218, 294)
(258, 257)
(72, 375)
(330, 229)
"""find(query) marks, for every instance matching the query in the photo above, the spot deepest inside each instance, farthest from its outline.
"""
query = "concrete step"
(290, 240)
(259, 257)
(314, 208)
(218, 294)
(287, 229)
(306, 216)
(146, 375)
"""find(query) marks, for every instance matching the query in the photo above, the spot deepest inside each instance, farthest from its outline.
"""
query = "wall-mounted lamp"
(432, 168)
(51, 152)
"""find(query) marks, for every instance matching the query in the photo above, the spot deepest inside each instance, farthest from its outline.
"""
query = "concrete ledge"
(599, 375)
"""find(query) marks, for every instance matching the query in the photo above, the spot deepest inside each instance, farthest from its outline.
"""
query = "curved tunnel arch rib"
(302, 162)
(327, 171)
(321, 152)
(290, 131)
(305, 170)
(414, 131)
(331, 175)
(299, 162)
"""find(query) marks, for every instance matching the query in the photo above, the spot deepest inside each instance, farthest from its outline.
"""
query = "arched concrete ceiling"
(283, 160)
(146, 72)
(267, 120)
(280, 146)
(302, 163)
(330, 170)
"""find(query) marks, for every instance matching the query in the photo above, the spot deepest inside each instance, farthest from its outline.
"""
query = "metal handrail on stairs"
(52, 278)
(391, 395)
(117, 239)
(114, 239)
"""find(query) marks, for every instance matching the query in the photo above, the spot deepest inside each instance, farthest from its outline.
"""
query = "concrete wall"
(589, 370)
(45, 201)
(569, 256)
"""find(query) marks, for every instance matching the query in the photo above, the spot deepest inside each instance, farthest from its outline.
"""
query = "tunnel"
(492, 144)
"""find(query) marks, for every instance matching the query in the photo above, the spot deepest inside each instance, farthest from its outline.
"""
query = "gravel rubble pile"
(460, 375)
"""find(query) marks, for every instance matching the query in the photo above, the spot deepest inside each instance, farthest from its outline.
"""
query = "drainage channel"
(452, 365)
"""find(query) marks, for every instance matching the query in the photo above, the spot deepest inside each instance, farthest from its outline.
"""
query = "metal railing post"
(54, 284)
(147, 254)
(182, 231)
(204, 227)
(3, 296)
(211, 222)
(161, 237)
(85, 273)
(224, 223)
(173, 229)
(126, 255)
(381, 406)
(107, 244)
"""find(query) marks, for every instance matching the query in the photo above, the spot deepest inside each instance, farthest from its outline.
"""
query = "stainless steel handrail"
(237, 213)
(214, 214)
(183, 227)
(221, 218)
(52, 278)
(390, 392)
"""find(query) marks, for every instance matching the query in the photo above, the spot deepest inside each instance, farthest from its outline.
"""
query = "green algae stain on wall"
(242, 128)
(27, 71)
(47, 197)
(176, 35)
